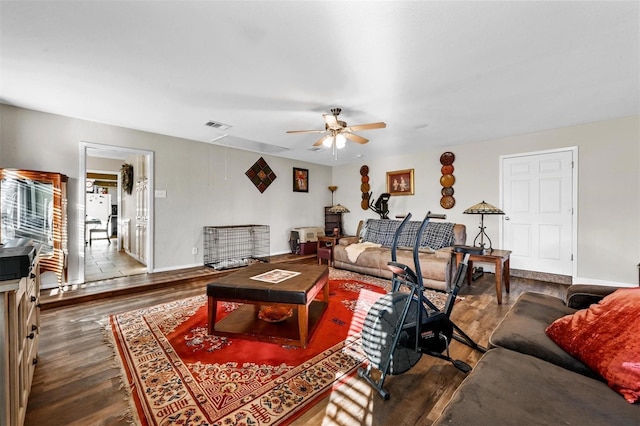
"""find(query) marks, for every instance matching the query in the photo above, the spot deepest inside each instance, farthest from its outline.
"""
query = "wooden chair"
(104, 228)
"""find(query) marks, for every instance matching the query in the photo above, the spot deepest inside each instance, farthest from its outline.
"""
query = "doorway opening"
(119, 212)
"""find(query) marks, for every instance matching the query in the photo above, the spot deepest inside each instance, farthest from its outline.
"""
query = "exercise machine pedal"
(461, 365)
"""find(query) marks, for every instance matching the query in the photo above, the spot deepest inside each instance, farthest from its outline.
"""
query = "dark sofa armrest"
(580, 296)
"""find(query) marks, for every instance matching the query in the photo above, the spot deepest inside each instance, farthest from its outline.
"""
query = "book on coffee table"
(276, 276)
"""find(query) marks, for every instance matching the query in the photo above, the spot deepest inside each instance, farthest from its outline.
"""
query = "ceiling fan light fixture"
(337, 132)
(328, 141)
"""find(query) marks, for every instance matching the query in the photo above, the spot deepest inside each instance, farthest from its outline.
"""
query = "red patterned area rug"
(177, 374)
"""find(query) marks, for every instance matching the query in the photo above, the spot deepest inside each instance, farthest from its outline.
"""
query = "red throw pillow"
(606, 337)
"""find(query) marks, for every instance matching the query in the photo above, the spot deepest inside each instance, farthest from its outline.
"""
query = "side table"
(500, 258)
(325, 248)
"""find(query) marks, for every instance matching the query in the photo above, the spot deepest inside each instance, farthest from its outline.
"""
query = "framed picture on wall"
(300, 180)
(400, 182)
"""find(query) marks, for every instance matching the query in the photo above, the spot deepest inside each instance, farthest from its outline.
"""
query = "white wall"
(205, 184)
(608, 194)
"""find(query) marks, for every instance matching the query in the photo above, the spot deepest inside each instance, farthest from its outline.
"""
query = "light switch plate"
(161, 193)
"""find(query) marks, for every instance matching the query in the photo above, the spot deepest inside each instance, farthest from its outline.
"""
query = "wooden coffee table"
(298, 293)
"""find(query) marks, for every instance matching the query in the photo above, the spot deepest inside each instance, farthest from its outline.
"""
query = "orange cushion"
(606, 337)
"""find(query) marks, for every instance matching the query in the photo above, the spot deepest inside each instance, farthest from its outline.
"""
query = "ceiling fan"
(338, 132)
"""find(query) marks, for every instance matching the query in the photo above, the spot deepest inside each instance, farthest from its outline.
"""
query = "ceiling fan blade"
(320, 141)
(358, 127)
(306, 131)
(355, 138)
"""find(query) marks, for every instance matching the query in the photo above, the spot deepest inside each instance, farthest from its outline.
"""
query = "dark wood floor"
(77, 380)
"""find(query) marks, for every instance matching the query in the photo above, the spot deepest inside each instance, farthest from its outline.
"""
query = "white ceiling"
(438, 73)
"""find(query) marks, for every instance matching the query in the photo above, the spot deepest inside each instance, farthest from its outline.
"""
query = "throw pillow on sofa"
(606, 337)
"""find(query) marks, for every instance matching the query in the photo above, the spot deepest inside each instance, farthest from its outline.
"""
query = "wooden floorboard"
(77, 380)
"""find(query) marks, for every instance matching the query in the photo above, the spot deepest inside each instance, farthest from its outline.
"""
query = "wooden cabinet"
(331, 221)
(141, 242)
(19, 333)
(142, 220)
(34, 206)
(125, 234)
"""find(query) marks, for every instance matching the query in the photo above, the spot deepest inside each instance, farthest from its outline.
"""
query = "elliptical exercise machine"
(401, 326)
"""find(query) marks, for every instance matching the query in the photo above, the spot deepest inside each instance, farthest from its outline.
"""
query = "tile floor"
(104, 261)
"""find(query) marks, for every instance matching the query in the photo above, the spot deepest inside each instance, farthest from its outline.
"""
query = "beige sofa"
(437, 267)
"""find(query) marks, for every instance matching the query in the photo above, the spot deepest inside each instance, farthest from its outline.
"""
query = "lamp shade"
(483, 208)
(339, 208)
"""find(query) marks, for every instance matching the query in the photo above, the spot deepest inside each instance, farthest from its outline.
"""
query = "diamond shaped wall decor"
(261, 175)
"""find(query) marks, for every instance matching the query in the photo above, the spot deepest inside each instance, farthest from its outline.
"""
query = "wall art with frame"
(400, 182)
(300, 180)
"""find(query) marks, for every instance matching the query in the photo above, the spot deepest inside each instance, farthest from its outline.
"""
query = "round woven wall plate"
(447, 158)
(447, 170)
(364, 170)
(447, 180)
(447, 191)
(447, 202)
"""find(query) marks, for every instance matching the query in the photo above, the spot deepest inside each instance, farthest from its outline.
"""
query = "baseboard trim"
(542, 276)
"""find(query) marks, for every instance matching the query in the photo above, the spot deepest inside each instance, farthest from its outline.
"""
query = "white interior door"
(537, 191)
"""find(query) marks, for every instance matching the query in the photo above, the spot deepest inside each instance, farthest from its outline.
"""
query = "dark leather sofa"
(526, 379)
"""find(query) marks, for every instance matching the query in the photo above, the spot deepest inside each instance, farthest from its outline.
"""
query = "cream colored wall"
(608, 234)
(205, 184)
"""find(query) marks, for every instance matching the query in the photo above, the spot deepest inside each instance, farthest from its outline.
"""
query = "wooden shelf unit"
(53, 237)
(19, 334)
(331, 221)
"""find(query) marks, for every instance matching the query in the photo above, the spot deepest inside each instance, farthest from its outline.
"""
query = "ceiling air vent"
(217, 125)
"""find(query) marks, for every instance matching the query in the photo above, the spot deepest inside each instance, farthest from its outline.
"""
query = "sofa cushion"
(523, 330)
(510, 388)
(431, 266)
(606, 337)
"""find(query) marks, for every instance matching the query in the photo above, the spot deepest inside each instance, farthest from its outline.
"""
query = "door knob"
(506, 218)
